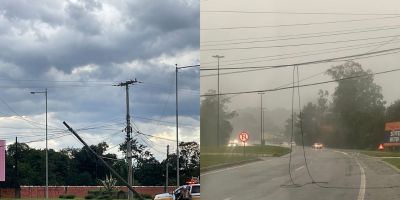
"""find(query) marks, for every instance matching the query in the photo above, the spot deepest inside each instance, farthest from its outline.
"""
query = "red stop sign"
(243, 136)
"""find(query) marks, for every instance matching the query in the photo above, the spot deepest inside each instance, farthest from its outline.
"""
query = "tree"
(358, 107)
(393, 112)
(209, 120)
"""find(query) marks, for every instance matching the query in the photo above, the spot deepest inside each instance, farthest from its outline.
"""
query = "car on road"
(194, 190)
(317, 146)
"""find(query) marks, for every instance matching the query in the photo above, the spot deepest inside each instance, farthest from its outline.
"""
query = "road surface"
(343, 174)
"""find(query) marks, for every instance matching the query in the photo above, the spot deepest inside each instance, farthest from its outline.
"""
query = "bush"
(94, 192)
(61, 196)
(104, 197)
(147, 196)
(70, 196)
(90, 196)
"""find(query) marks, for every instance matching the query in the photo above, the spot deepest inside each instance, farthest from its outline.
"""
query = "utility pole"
(177, 121)
(128, 133)
(261, 120)
(47, 149)
(218, 134)
(16, 168)
(166, 173)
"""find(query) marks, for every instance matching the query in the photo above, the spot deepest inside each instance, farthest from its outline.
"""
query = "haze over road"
(344, 175)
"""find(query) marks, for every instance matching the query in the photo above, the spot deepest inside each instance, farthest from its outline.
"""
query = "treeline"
(77, 166)
(353, 116)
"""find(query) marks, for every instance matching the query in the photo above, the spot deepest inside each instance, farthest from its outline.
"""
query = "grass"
(215, 156)
(214, 160)
(257, 150)
(381, 153)
(394, 161)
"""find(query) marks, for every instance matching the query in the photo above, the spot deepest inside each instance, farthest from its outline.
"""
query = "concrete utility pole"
(262, 120)
(47, 150)
(218, 122)
(128, 134)
(166, 173)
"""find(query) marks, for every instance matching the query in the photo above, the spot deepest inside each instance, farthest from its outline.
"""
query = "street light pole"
(218, 136)
(177, 130)
(261, 120)
(47, 150)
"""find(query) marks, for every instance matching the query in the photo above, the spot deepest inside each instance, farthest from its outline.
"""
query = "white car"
(194, 191)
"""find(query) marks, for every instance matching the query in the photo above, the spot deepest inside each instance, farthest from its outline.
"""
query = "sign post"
(244, 136)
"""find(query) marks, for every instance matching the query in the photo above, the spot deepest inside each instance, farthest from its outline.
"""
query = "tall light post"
(177, 119)
(47, 156)
(218, 136)
(261, 120)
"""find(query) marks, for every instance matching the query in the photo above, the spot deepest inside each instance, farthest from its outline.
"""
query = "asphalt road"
(339, 174)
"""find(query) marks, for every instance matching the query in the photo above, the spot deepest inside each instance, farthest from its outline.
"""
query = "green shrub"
(147, 196)
(90, 196)
(61, 196)
(94, 192)
(70, 196)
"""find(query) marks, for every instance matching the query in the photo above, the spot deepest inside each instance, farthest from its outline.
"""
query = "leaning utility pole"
(104, 162)
(218, 135)
(262, 120)
(128, 134)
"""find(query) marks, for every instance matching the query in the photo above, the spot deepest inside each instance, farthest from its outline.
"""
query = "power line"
(283, 36)
(297, 37)
(298, 44)
(300, 54)
(293, 13)
(306, 85)
(298, 24)
(305, 63)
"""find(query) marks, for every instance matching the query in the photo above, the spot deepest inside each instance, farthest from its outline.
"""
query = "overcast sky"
(263, 30)
(78, 50)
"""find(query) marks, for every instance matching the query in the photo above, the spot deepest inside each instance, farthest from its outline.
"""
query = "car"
(317, 146)
(194, 190)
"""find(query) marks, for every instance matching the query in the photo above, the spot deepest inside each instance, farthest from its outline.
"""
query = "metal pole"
(218, 104)
(16, 168)
(263, 125)
(166, 173)
(47, 155)
(261, 119)
(177, 132)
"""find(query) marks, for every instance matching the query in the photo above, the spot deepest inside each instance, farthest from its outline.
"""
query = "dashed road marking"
(299, 168)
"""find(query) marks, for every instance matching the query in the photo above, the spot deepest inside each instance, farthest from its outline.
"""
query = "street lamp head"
(32, 92)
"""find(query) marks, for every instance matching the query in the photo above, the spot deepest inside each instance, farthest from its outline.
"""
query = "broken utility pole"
(104, 162)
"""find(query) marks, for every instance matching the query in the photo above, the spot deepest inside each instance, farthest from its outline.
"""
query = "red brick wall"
(7, 192)
(79, 191)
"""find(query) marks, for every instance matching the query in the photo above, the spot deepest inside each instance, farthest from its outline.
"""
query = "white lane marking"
(363, 182)
(228, 198)
(299, 168)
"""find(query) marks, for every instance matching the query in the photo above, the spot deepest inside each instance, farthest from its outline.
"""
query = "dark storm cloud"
(68, 34)
(115, 41)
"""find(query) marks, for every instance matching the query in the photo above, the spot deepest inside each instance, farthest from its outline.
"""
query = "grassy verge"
(227, 156)
(381, 153)
(250, 150)
(393, 161)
